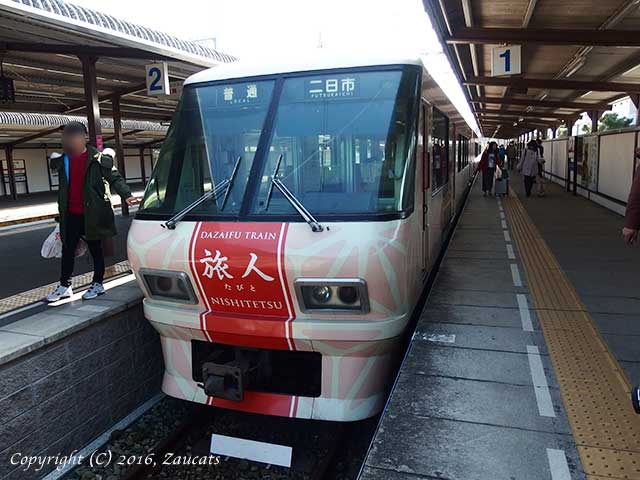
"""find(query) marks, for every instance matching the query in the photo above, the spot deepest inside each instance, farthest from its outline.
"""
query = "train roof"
(320, 60)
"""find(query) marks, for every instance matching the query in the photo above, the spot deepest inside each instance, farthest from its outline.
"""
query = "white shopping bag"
(52, 246)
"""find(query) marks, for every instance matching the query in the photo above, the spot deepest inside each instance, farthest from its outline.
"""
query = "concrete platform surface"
(476, 398)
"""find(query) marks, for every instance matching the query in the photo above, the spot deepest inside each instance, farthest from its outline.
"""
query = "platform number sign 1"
(506, 60)
(158, 79)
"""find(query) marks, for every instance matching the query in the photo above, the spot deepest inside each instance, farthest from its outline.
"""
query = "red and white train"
(291, 221)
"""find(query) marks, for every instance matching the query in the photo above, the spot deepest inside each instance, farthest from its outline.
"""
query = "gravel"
(340, 447)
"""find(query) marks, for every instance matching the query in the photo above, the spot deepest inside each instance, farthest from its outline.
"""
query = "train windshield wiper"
(224, 186)
(291, 198)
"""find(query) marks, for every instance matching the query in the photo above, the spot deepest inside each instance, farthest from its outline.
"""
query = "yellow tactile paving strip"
(594, 389)
(31, 296)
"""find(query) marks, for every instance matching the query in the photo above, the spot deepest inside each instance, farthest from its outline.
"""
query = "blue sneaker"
(59, 293)
(94, 290)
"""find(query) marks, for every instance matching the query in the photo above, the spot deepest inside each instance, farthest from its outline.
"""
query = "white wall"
(615, 171)
(559, 159)
(615, 167)
(38, 178)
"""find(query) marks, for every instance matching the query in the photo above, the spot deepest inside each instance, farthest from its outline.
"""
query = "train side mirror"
(635, 399)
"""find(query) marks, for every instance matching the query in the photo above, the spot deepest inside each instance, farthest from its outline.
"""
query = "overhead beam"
(512, 121)
(35, 136)
(529, 13)
(625, 8)
(107, 97)
(150, 144)
(124, 134)
(68, 49)
(473, 52)
(553, 84)
(542, 103)
(518, 113)
(543, 36)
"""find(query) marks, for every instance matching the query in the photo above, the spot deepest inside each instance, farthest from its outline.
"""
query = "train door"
(425, 131)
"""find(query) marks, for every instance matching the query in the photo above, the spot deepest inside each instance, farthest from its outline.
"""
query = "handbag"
(52, 245)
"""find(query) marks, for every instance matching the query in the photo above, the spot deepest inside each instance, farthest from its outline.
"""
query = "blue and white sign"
(158, 79)
(506, 60)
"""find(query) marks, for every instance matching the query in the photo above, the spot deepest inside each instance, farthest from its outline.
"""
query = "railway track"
(321, 450)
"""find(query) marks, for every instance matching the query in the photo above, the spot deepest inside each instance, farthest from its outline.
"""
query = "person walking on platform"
(632, 215)
(487, 166)
(502, 155)
(511, 155)
(84, 204)
(528, 165)
(541, 163)
(501, 186)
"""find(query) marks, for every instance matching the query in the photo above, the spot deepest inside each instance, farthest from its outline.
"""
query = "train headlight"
(321, 294)
(168, 285)
(347, 295)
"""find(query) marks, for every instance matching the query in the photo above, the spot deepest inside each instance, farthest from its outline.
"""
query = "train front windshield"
(345, 142)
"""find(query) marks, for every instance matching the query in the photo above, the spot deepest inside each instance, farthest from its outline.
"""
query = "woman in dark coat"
(487, 166)
(86, 177)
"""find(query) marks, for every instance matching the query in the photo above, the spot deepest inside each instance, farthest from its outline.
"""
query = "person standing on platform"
(528, 165)
(632, 215)
(487, 166)
(511, 155)
(84, 205)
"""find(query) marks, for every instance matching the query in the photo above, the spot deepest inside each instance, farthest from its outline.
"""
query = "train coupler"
(225, 380)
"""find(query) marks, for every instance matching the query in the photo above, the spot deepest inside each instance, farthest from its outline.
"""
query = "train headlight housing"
(345, 295)
(168, 285)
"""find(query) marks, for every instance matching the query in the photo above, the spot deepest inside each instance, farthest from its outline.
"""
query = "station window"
(440, 156)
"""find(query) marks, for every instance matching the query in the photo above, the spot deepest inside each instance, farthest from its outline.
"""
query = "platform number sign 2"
(506, 60)
(158, 79)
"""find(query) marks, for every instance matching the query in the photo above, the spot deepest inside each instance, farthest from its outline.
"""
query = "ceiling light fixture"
(630, 71)
(575, 67)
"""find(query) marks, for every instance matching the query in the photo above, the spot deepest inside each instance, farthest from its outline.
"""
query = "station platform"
(42, 206)
(522, 361)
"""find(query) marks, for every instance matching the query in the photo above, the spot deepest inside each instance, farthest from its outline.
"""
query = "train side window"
(440, 154)
(425, 151)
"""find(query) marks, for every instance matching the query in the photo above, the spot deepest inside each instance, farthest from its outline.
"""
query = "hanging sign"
(158, 79)
(506, 60)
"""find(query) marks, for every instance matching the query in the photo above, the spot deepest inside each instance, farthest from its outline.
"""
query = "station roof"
(25, 130)
(577, 55)
(40, 45)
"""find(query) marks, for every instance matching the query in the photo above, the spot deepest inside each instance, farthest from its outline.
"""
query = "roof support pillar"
(570, 124)
(595, 116)
(143, 172)
(117, 136)
(91, 99)
(8, 156)
(635, 98)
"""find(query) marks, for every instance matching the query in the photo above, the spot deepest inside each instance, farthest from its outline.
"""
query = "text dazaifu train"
(291, 221)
